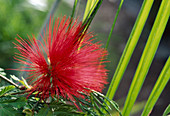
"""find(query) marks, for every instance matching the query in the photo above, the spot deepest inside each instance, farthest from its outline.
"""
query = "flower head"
(65, 63)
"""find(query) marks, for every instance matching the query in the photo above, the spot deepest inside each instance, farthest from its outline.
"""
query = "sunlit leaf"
(2, 72)
(147, 56)
(6, 89)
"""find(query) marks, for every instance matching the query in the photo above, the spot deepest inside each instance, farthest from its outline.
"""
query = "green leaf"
(86, 104)
(147, 56)
(167, 111)
(91, 14)
(94, 104)
(15, 78)
(65, 113)
(23, 81)
(14, 101)
(2, 72)
(109, 104)
(58, 108)
(130, 46)
(1, 69)
(89, 6)
(12, 106)
(136, 109)
(158, 88)
(6, 89)
(43, 111)
(6, 110)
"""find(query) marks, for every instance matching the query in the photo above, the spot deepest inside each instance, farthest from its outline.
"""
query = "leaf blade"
(6, 89)
(167, 111)
(158, 88)
(147, 55)
(130, 46)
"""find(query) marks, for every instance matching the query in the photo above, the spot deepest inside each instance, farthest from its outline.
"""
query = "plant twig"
(113, 25)
(9, 81)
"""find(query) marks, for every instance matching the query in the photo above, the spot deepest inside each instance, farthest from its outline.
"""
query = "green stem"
(72, 15)
(113, 25)
(74, 8)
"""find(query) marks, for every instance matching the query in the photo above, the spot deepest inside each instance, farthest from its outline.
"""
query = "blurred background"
(27, 17)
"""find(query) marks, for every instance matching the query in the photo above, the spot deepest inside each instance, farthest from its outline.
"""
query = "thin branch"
(9, 81)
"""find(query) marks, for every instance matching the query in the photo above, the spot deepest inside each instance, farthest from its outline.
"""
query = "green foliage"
(13, 101)
(16, 18)
(91, 13)
(95, 104)
(100, 98)
(6, 89)
(167, 111)
(12, 105)
(158, 88)
(146, 59)
(147, 56)
(2, 72)
(6, 110)
(89, 8)
(136, 109)
(130, 46)
(59, 109)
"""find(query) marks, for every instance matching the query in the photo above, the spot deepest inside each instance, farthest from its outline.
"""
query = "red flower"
(59, 65)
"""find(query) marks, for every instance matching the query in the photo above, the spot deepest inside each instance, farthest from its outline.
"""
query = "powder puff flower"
(65, 63)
